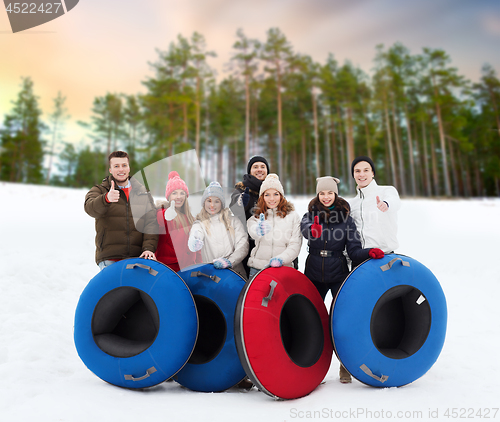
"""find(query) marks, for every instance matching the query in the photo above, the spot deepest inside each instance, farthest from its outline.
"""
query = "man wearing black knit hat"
(374, 208)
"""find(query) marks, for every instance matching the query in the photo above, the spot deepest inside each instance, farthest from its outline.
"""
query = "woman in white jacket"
(275, 227)
(220, 236)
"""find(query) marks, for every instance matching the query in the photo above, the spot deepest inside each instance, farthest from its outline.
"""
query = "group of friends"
(257, 229)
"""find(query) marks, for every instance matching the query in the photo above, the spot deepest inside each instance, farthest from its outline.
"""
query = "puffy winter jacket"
(377, 229)
(126, 228)
(283, 241)
(177, 257)
(338, 233)
(220, 243)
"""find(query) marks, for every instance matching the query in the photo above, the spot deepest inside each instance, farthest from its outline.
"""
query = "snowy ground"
(47, 253)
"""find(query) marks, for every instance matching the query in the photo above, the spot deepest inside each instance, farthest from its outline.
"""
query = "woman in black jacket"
(330, 229)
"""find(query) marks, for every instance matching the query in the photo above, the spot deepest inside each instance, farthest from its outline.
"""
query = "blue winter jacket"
(339, 233)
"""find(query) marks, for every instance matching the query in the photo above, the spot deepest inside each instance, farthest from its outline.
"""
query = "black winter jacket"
(339, 233)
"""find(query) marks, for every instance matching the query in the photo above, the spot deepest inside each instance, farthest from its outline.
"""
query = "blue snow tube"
(214, 365)
(388, 321)
(135, 323)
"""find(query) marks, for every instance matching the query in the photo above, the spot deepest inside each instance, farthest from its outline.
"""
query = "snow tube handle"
(389, 265)
(368, 372)
(266, 300)
(211, 277)
(150, 270)
(149, 371)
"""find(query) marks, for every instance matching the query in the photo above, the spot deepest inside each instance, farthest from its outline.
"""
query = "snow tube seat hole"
(212, 331)
(301, 331)
(125, 322)
(400, 322)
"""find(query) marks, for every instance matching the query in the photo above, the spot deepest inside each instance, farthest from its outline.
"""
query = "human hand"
(381, 205)
(221, 263)
(170, 212)
(148, 255)
(263, 227)
(276, 262)
(245, 197)
(114, 194)
(195, 243)
(376, 253)
(316, 228)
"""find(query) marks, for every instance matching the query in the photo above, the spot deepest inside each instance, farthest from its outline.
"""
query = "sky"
(100, 47)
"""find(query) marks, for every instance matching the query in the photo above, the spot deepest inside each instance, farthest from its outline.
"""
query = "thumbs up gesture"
(114, 194)
(170, 212)
(263, 227)
(316, 228)
(381, 205)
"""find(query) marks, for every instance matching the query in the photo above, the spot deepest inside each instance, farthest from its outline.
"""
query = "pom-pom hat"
(175, 182)
(214, 189)
(272, 181)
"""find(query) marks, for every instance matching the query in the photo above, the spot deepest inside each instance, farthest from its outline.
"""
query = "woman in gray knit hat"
(220, 236)
(330, 229)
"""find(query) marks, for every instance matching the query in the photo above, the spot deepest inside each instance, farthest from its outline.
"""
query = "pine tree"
(22, 146)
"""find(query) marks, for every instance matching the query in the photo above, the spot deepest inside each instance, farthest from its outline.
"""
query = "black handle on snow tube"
(211, 277)
(367, 371)
(150, 270)
(266, 300)
(389, 265)
(149, 371)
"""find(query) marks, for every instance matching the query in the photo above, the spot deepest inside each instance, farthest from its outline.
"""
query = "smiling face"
(213, 205)
(272, 198)
(326, 197)
(120, 170)
(179, 197)
(258, 170)
(363, 174)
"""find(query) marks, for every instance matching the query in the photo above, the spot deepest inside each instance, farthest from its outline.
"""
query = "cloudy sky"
(105, 46)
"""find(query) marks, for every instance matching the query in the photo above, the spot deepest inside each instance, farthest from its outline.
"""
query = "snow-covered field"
(47, 258)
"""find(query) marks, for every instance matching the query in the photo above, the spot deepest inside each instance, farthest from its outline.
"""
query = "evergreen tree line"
(430, 131)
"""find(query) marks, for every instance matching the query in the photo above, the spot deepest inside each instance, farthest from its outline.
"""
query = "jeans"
(105, 263)
(252, 272)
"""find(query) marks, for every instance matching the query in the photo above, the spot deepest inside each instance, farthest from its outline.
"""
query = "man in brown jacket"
(125, 218)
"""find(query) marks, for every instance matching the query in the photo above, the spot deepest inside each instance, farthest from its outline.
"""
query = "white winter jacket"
(221, 243)
(377, 229)
(283, 241)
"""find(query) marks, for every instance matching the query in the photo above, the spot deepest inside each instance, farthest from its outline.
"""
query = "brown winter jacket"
(124, 229)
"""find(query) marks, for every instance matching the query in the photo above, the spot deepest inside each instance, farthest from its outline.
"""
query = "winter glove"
(221, 263)
(376, 253)
(170, 212)
(263, 227)
(316, 228)
(276, 262)
(244, 198)
(195, 243)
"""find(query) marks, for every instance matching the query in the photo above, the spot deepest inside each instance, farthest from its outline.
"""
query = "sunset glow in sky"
(105, 46)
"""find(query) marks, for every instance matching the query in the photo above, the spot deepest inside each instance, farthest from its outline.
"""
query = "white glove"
(170, 212)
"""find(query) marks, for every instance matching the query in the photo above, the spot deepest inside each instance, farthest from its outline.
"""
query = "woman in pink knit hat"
(175, 220)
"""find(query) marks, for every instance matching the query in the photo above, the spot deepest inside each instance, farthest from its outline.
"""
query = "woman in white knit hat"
(220, 236)
(330, 229)
(275, 227)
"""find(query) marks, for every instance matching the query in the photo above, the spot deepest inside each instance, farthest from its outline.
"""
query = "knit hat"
(272, 181)
(362, 158)
(214, 189)
(327, 183)
(257, 159)
(175, 182)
